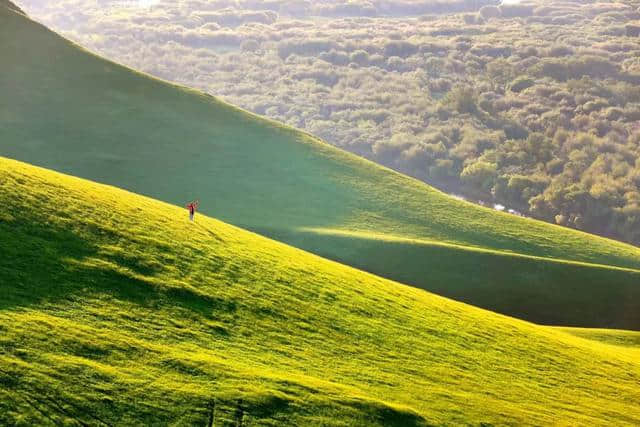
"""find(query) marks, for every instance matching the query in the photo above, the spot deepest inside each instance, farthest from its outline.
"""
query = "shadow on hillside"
(537, 290)
(266, 408)
(41, 264)
(385, 415)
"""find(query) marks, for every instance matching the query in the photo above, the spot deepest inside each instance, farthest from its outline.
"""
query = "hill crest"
(164, 320)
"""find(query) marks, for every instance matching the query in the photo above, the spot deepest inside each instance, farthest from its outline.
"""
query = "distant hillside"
(66, 109)
(534, 105)
(116, 310)
(629, 340)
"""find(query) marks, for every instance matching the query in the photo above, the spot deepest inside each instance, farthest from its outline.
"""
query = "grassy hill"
(65, 109)
(117, 310)
(620, 338)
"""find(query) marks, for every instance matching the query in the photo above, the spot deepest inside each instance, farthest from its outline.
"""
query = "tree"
(481, 175)
(488, 12)
(462, 99)
(521, 83)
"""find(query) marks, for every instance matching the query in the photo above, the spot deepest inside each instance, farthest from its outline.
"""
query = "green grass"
(629, 339)
(68, 110)
(549, 291)
(117, 310)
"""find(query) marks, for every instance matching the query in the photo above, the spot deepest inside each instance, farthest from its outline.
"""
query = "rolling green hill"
(66, 109)
(116, 310)
(625, 339)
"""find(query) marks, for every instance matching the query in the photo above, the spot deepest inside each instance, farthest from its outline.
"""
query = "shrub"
(481, 175)
(400, 49)
(250, 46)
(592, 66)
(335, 57)
(443, 168)
(489, 12)
(395, 63)
(514, 130)
(552, 68)
(473, 144)
(521, 83)
(614, 113)
(435, 48)
(519, 189)
(528, 52)
(469, 18)
(500, 71)
(557, 51)
(595, 105)
(439, 85)
(360, 57)
(387, 151)
(463, 100)
(632, 30)
(305, 47)
(516, 10)
(491, 50)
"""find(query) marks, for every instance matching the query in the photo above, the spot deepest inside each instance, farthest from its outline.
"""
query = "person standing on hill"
(192, 208)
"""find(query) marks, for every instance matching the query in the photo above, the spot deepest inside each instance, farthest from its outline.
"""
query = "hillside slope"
(68, 110)
(628, 341)
(11, 6)
(135, 315)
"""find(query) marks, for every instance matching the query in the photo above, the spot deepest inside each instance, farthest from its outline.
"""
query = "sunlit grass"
(116, 309)
(71, 111)
(621, 338)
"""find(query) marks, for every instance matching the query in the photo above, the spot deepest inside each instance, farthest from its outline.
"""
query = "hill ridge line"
(427, 242)
(247, 322)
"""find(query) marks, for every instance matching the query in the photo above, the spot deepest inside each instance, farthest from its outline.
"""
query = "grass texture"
(66, 109)
(116, 310)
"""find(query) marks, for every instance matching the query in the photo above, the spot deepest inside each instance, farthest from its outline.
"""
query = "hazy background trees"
(535, 106)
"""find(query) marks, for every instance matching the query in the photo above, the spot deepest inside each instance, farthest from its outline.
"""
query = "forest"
(534, 106)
